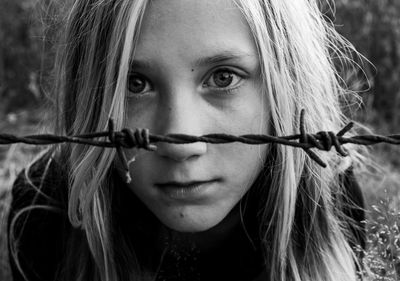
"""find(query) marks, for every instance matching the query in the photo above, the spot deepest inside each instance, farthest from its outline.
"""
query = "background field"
(28, 29)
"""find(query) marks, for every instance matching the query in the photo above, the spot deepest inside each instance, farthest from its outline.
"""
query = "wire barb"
(120, 152)
(139, 138)
(309, 139)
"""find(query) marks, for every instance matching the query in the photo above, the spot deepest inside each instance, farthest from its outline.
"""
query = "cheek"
(244, 160)
(248, 113)
(244, 163)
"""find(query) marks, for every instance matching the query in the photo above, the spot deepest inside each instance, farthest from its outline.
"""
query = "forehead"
(192, 27)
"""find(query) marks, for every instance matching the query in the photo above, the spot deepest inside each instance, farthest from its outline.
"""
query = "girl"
(195, 211)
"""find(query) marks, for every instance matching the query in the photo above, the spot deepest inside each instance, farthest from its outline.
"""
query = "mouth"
(188, 191)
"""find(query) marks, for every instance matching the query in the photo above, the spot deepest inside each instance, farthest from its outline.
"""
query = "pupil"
(223, 79)
(136, 85)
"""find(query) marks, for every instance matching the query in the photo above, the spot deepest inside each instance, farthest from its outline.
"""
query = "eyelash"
(228, 89)
(132, 76)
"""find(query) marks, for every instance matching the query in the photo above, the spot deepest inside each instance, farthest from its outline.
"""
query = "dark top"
(235, 256)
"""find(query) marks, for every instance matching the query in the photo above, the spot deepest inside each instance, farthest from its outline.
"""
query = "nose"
(182, 152)
(180, 114)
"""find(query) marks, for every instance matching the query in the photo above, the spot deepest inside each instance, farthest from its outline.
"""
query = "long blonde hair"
(303, 236)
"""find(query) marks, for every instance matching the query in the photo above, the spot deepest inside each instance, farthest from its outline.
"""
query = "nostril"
(181, 152)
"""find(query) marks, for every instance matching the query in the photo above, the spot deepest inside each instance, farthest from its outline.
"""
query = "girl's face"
(195, 71)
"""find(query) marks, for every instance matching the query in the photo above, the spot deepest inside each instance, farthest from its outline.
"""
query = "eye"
(223, 78)
(137, 84)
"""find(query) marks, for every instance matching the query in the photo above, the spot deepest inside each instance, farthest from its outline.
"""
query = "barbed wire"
(141, 138)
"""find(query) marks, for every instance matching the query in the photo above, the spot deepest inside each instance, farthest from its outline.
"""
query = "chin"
(189, 222)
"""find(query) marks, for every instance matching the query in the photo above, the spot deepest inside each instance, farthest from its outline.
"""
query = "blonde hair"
(302, 234)
(294, 44)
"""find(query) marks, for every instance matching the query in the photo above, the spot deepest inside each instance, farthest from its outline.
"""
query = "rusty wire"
(141, 138)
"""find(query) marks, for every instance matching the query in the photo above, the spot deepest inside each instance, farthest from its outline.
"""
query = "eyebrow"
(221, 57)
(208, 60)
(140, 64)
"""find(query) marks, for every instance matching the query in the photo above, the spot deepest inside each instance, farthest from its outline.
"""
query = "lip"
(187, 191)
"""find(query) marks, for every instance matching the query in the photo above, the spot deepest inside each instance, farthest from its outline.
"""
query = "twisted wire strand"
(142, 139)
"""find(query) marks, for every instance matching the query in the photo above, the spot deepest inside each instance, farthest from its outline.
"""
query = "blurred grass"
(13, 159)
(381, 187)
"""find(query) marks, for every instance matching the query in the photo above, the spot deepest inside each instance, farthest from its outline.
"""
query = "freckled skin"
(183, 97)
